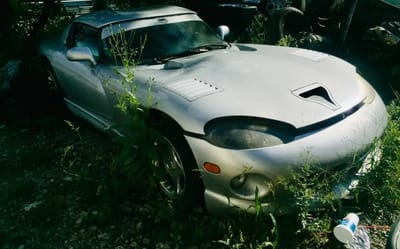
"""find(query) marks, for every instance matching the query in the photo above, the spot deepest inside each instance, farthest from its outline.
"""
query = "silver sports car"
(234, 116)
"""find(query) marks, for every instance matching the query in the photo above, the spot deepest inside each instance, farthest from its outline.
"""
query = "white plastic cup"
(344, 232)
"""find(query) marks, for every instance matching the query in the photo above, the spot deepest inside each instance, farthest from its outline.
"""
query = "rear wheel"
(51, 96)
(50, 83)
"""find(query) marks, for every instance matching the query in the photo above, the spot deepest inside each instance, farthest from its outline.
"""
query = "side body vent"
(317, 94)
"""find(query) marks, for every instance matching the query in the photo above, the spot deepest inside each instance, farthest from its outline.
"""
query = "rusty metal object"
(276, 22)
(386, 34)
(282, 17)
(277, 12)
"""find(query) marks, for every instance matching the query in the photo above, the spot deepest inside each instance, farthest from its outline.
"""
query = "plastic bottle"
(344, 232)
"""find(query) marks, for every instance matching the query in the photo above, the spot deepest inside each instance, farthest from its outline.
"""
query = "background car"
(232, 118)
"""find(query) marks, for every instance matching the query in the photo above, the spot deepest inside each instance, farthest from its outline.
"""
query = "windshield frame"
(136, 25)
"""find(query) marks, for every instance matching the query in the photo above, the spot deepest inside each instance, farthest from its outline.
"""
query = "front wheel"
(176, 170)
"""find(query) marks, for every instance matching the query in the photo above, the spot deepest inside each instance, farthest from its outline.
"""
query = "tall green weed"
(380, 188)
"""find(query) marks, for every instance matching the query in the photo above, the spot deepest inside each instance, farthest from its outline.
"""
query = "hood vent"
(193, 89)
(317, 94)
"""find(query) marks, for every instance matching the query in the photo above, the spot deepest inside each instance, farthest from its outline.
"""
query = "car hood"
(296, 86)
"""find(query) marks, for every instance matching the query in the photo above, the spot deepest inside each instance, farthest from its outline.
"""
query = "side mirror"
(223, 31)
(81, 54)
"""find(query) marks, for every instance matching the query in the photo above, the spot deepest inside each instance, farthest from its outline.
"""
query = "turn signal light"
(212, 168)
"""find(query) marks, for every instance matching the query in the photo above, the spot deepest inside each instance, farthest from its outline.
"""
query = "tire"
(49, 82)
(175, 170)
(393, 241)
(49, 90)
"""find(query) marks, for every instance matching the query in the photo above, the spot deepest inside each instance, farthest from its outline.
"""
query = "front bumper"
(335, 145)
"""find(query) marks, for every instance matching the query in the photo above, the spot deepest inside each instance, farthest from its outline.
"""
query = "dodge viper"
(234, 117)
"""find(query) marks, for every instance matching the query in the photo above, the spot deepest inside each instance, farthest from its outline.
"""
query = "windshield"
(158, 43)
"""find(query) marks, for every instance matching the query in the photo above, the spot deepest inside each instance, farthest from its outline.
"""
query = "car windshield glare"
(158, 43)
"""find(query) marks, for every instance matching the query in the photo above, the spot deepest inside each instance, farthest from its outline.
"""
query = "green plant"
(380, 188)
(255, 32)
(70, 163)
(253, 230)
(74, 128)
(288, 41)
(309, 189)
(134, 166)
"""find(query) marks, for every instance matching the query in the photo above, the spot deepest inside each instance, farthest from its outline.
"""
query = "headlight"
(367, 88)
(248, 133)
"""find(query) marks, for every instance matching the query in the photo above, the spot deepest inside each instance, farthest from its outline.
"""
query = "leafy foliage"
(314, 203)
(288, 41)
(253, 231)
(255, 32)
(381, 187)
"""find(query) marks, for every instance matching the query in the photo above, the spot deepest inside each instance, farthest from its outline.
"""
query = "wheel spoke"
(173, 183)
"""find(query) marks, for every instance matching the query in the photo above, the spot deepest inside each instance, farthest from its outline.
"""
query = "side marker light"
(212, 168)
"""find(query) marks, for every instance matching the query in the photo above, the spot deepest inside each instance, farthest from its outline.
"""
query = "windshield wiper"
(195, 50)
(164, 59)
(209, 47)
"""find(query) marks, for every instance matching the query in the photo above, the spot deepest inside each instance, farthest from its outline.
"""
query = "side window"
(85, 36)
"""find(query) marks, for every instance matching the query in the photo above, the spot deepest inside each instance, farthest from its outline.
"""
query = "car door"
(79, 79)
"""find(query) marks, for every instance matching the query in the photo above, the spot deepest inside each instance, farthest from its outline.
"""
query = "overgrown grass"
(380, 189)
(117, 197)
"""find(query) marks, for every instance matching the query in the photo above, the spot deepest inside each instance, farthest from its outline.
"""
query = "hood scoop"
(317, 94)
(192, 89)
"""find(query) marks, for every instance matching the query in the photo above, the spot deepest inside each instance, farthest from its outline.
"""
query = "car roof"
(102, 18)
